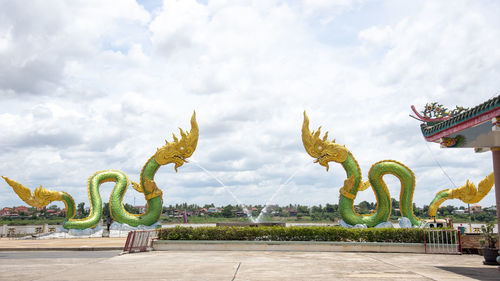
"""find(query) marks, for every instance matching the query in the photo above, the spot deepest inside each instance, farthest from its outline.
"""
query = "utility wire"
(439, 164)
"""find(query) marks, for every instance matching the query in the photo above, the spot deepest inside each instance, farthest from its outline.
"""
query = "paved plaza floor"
(100, 259)
(240, 265)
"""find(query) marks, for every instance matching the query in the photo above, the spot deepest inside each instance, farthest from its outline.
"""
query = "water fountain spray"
(266, 206)
(245, 209)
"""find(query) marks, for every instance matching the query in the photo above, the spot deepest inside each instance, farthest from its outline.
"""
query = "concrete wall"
(471, 241)
(19, 230)
(299, 246)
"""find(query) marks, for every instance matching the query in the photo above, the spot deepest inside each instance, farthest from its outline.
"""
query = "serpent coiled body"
(175, 152)
(116, 209)
(326, 151)
(384, 203)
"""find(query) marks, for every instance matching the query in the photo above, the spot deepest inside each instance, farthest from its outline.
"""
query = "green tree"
(54, 207)
(425, 210)
(443, 211)
(418, 211)
(227, 211)
(329, 208)
(316, 209)
(450, 209)
(394, 203)
(207, 206)
(105, 211)
(302, 210)
(364, 207)
(131, 209)
(81, 208)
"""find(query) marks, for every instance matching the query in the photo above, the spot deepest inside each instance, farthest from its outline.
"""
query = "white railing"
(442, 241)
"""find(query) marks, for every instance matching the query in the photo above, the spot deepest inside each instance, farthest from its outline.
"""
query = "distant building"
(458, 212)
(141, 209)
(202, 211)
(51, 212)
(490, 209)
(213, 210)
(6, 212)
(240, 214)
(21, 209)
(292, 212)
(475, 209)
(14, 212)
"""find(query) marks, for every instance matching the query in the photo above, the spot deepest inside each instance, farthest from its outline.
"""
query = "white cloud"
(444, 47)
(327, 10)
(108, 83)
(378, 36)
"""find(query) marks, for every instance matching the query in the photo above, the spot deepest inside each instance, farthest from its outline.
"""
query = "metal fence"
(442, 241)
(139, 241)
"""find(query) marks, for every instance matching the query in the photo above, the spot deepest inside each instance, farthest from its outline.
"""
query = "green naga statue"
(175, 152)
(326, 151)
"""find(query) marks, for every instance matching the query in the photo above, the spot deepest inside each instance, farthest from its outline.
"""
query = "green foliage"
(488, 234)
(279, 233)
(80, 211)
(105, 211)
(131, 209)
(227, 212)
(53, 207)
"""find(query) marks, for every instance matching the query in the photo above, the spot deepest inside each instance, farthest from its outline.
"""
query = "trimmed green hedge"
(295, 233)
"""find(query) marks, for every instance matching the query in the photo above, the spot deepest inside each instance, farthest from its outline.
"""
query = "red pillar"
(496, 170)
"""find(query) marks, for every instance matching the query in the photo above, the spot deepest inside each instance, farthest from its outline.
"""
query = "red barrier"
(139, 241)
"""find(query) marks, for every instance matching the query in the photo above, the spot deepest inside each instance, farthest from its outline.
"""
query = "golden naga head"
(179, 150)
(322, 149)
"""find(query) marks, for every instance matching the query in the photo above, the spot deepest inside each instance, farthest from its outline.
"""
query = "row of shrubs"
(295, 233)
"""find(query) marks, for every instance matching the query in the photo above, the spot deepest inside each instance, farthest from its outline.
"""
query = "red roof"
(21, 209)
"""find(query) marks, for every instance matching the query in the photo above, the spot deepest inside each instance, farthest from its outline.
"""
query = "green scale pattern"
(383, 212)
(118, 213)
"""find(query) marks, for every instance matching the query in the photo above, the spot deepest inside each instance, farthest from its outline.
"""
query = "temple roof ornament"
(434, 112)
(474, 125)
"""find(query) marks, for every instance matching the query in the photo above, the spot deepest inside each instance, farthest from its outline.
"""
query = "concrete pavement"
(225, 265)
(242, 265)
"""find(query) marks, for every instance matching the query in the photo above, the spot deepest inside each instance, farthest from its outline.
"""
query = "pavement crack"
(236, 272)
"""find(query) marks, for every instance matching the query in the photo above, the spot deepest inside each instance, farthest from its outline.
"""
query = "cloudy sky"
(93, 85)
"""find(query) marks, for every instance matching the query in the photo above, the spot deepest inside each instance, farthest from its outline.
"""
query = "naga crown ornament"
(179, 150)
(322, 149)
